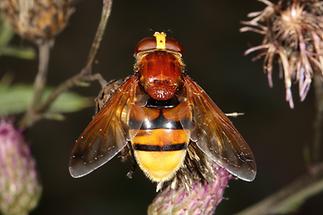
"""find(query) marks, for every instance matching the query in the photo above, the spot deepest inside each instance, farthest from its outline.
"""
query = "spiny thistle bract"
(201, 198)
(293, 34)
(197, 188)
(37, 20)
(19, 186)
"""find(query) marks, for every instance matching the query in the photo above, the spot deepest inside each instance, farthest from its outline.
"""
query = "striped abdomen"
(160, 144)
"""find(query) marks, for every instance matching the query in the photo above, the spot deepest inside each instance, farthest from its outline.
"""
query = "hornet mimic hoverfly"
(158, 112)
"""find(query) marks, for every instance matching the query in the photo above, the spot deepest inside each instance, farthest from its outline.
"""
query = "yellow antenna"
(160, 40)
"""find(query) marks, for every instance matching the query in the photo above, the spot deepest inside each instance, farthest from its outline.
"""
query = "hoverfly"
(157, 112)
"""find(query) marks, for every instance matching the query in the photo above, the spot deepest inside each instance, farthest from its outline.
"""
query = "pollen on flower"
(293, 36)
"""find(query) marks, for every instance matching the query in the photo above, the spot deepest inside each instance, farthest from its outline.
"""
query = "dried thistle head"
(197, 188)
(19, 187)
(37, 20)
(293, 34)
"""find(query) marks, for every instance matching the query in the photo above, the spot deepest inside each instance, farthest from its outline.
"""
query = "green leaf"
(23, 53)
(70, 102)
(15, 99)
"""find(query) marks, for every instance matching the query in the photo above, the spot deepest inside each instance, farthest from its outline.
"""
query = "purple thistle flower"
(201, 198)
(292, 33)
(197, 188)
(19, 187)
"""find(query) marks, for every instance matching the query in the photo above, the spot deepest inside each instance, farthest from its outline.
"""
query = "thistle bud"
(37, 20)
(201, 198)
(292, 32)
(19, 187)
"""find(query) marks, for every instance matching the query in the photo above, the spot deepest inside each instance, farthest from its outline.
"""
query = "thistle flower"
(293, 34)
(197, 188)
(19, 187)
(37, 20)
(202, 198)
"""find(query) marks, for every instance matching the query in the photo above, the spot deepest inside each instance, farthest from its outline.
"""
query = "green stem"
(290, 197)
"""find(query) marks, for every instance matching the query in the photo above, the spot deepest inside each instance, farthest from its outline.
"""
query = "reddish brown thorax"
(160, 66)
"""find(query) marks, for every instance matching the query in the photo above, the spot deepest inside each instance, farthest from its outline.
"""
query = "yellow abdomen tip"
(160, 166)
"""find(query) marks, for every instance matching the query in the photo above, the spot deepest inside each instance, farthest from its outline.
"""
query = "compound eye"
(173, 45)
(146, 44)
(158, 42)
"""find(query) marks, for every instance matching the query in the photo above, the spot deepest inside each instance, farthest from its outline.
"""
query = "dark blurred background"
(209, 32)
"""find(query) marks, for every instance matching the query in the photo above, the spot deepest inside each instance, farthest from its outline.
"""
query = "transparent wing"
(106, 134)
(216, 136)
